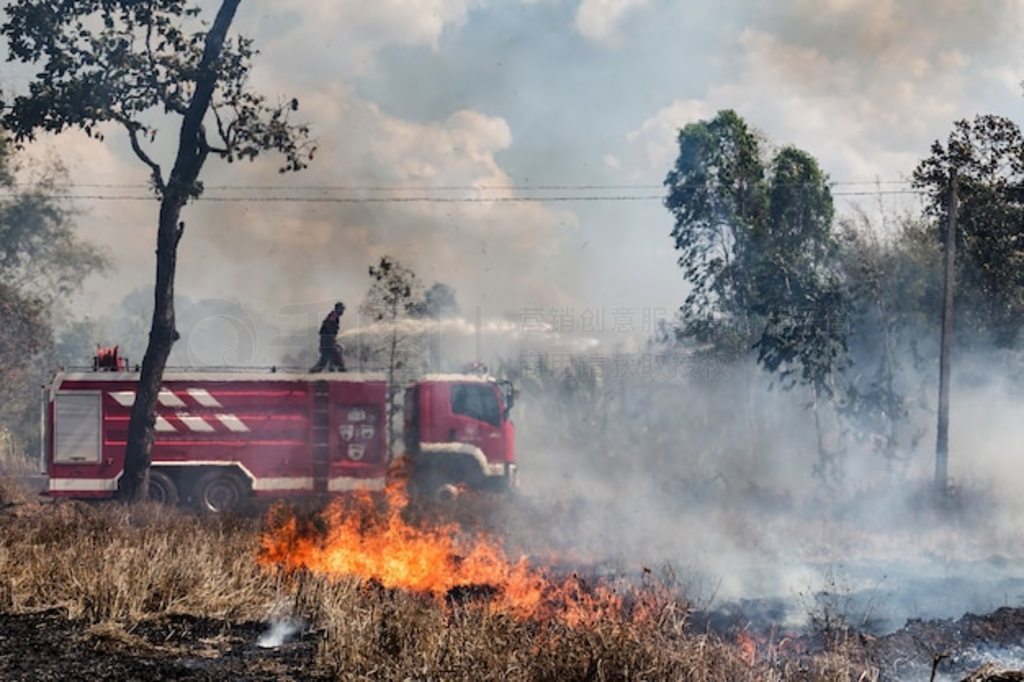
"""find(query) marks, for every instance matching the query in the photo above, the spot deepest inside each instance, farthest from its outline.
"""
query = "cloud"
(497, 254)
(865, 30)
(124, 230)
(863, 85)
(1012, 79)
(500, 255)
(598, 20)
(348, 34)
(647, 144)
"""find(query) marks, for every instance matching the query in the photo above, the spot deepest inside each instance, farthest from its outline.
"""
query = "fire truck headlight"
(356, 452)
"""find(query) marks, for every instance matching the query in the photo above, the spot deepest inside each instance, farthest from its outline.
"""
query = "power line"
(426, 188)
(388, 188)
(375, 200)
(883, 192)
(433, 199)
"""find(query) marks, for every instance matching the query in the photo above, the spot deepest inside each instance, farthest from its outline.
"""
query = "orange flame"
(748, 647)
(365, 542)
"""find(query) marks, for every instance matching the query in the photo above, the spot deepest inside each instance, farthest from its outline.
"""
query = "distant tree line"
(837, 308)
(42, 262)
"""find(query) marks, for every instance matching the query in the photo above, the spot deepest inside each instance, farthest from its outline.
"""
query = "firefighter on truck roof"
(330, 352)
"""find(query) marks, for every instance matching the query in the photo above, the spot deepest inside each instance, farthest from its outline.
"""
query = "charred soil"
(50, 646)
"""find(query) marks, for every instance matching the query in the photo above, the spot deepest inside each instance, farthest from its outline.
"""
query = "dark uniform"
(330, 352)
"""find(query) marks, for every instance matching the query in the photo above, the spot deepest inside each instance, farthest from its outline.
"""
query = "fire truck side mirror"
(508, 392)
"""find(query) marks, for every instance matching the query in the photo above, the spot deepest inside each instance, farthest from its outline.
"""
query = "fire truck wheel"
(162, 488)
(445, 494)
(218, 492)
(433, 484)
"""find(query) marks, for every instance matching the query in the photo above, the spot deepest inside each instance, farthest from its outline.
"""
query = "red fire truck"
(224, 436)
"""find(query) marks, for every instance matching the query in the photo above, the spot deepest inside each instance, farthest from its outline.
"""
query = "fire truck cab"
(458, 431)
(221, 437)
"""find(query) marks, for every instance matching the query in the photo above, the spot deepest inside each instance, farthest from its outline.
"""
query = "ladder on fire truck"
(321, 435)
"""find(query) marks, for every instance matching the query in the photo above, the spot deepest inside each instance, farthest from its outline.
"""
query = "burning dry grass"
(360, 538)
(107, 564)
(373, 632)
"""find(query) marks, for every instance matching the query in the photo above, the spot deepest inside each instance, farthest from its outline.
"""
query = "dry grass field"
(186, 597)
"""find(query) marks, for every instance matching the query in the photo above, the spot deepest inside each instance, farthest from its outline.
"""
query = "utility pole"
(942, 437)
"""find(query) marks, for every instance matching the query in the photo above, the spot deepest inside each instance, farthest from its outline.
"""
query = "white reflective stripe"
(193, 422)
(203, 397)
(206, 463)
(232, 422)
(247, 375)
(168, 399)
(347, 483)
(164, 425)
(442, 449)
(83, 484)
(283, 483)
(126, 398)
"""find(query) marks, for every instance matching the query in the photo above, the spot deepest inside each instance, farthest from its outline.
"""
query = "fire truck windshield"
(478, 401)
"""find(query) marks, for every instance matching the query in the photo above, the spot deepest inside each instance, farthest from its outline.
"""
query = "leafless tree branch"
(133, 135)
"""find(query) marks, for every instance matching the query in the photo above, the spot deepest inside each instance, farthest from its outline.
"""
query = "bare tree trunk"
(888, 364)
(162, 335)
(192, 152)
(823, 459)
(392, 389)
(753, 426)
(946, 344)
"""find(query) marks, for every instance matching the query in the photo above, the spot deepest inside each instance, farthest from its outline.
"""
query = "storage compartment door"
(77, 424)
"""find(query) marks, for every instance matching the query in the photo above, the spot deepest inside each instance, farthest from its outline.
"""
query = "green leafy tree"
(717, 194)
(758, 251)
(894, 282)
(987, 155)
(796, 284)
(140, 65)
(75, 345)
(395, 294)
(41, 261)
(40, 253)
(438, 301)
(25, 339)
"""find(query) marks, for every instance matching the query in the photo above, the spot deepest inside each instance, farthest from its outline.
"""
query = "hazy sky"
(440, 93)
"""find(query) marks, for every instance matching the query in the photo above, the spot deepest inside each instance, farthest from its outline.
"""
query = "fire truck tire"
(219, 492)
(162, 488)
(430, 484)
(441, 480)
(499, 484)
(445, 494)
